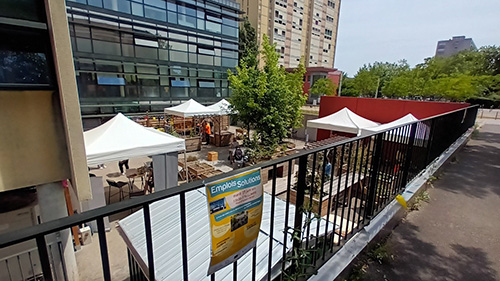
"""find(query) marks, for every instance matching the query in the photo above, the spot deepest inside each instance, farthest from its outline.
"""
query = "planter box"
(222, 139)
(315, 203)
(281, 171)
(193, 144)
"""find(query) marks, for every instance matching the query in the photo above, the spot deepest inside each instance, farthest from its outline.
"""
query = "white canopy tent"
(121, 138)
(190, 108)
(222, 107)
(343, 120)
(394, 124)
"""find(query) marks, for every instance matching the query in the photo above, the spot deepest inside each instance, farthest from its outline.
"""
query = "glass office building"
(144, 55)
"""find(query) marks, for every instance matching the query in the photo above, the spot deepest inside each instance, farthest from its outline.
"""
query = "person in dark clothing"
(123, 163)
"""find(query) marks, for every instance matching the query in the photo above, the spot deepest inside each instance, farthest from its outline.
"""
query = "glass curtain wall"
(153, 50)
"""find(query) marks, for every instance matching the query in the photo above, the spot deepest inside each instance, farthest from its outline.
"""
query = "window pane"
(86, 64)
(118, 5)
(156, 3)
(171, 7)
(206, 92)
(82, 31)
(205, 73)
(229, 62)
(147, 69)
(179, 92)
(155, 13)
(230, 31)
(129, 67)
(213, 27)
(109, 66)
(201, 24)
(187, 21)
(206, 84)
(106, 48)
(23, 9)
(177, 70)
(96, 3)
(145, 52)
(83, 45)
(230, 22)
(172, 17)
(149, 91)
(163, 54)
(23, 67)
(137, 9)
(105, 35)
(178, 56)
(206, 51)
(193, 58)
(128, 50)
(207, 60)
(186, 10)
(176, 46)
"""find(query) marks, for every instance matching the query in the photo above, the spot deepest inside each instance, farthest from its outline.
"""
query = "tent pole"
(185, 166)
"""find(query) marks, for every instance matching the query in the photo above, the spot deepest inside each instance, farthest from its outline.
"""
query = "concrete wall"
(301, 132)
(383, 110)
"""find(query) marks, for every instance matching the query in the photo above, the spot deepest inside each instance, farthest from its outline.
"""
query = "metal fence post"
(372, 186)
(430, 141)
(408, 153)
(299, 204)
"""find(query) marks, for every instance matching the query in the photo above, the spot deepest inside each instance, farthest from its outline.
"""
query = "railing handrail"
(45, 228)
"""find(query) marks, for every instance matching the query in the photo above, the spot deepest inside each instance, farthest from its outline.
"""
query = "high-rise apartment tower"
(300, 28)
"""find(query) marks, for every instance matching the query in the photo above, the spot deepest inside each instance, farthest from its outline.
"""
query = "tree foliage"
(323, 86)
(464, 76)
(269, 99)
(248, 48)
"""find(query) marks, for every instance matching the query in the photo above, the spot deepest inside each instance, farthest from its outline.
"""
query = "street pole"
(340, 86)
(378, 84)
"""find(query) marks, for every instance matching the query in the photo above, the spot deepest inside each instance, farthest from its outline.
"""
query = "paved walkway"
(456, 236)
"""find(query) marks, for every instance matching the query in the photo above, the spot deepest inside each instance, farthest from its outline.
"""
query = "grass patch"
(421, 197)
(380, 254)
(475, 133)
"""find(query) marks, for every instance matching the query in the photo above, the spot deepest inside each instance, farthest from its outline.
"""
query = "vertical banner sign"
(235, 207)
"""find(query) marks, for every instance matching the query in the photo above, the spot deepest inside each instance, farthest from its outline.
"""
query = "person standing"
(207, 132)
(121, 164)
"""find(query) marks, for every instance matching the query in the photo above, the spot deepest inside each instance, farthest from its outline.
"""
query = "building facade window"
(145, 50)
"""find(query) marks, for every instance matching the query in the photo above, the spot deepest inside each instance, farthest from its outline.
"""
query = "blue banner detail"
(245, 207)
(115, 81)
(238, 183)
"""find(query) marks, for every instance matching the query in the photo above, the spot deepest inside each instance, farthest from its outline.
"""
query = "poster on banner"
(235, 210)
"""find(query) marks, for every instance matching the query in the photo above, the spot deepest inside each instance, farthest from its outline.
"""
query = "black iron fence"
(335, 190)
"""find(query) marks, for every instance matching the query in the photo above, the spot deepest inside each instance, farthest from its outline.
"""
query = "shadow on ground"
(407, 250)
(476, 174)
(455, 236)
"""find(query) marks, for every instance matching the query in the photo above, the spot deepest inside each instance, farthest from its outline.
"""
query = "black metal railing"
(336, 190)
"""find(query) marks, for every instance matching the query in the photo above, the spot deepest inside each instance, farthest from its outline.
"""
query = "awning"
(121, 138)
(190, 108)
(343, 120)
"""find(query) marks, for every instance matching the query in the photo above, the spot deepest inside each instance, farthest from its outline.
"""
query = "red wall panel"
(383, 110)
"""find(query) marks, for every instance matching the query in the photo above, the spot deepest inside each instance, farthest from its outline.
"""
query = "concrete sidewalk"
(456, 236)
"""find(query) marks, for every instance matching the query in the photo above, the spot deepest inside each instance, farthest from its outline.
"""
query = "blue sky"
(391, 30)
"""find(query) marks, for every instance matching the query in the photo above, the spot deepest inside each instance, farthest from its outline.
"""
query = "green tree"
(268, 100)
(365, 83)
(323, 86)
(248, 48)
